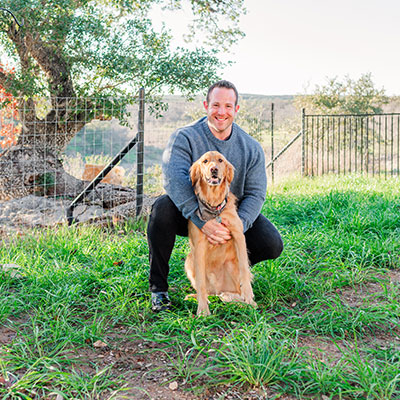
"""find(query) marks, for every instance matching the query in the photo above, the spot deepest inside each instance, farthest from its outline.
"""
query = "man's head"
(221, 106)
(223, 84)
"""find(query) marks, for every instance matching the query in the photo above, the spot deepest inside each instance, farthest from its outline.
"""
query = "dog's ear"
(194, 173)
(230, 171)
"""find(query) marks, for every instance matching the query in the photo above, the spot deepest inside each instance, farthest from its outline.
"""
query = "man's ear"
(194, 173)
(230, 172)
(205, 104)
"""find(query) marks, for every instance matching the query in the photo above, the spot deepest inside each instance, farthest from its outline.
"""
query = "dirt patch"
(371, 293)
(148, 373)
(7, 334)
(324, 349)
(394, 276)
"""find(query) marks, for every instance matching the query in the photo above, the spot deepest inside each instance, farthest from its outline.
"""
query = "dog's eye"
(220, 160)
(205, 161)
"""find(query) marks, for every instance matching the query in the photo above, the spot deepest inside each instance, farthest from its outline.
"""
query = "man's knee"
(165, 217)
(263, 241)
(277, 248)
(162, 209)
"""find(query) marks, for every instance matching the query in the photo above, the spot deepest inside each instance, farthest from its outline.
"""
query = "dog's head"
(213, 169)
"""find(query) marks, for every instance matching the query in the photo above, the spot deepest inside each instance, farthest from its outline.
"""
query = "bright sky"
(291, 45)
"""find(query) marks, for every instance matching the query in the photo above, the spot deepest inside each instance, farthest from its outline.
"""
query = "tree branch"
(53, 66)
(16, 37)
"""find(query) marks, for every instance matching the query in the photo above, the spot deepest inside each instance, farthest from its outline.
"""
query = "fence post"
(140, 155)
(303, 152)
(272, 143)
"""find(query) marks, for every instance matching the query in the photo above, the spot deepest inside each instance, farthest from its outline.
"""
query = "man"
(170, 213)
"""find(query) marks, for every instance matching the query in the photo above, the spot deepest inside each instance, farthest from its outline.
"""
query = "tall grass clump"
(256, 355)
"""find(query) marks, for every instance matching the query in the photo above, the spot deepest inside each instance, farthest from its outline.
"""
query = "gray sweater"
(189, 143)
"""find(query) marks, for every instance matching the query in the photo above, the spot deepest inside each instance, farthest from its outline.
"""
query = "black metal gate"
(344, 144)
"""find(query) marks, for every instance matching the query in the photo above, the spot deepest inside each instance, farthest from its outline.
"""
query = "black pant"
(166, 221)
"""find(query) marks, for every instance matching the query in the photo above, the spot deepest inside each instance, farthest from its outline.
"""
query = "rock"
(173, 385)
(37, 211)
(12, 269)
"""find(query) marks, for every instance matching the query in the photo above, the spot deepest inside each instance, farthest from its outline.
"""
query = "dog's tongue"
(214, 180)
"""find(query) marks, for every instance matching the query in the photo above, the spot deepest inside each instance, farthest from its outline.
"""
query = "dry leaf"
(99, 344)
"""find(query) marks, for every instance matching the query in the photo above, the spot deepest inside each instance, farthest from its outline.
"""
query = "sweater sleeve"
(177, 160)
(254, 191)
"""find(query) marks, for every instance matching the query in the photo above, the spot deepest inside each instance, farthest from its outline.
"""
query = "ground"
(147, 370)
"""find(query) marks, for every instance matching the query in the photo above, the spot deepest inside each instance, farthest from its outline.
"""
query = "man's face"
(221, 111)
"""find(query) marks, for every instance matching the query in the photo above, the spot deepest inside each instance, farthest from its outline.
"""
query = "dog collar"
(206, 212)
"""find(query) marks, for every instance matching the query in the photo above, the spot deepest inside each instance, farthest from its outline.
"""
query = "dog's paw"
(204, 312)
(252, 303)
(228, 297)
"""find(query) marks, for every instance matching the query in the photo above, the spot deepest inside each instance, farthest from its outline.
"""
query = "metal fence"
(78, 154)
(344, 144)
(61, 149)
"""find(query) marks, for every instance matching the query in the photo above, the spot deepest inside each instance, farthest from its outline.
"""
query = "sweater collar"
(207, 130)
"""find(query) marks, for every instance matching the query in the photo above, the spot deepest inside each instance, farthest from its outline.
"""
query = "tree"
(8, 114)
(345, 97)
(71, 51)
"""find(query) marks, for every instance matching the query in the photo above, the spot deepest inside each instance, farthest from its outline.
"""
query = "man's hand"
(216, 232)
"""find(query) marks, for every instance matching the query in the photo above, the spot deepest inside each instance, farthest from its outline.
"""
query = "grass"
(327, 322)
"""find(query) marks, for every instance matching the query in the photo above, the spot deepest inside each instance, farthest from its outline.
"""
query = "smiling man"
(170, 213)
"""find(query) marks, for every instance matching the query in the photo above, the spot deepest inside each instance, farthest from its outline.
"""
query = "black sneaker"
(160, 301)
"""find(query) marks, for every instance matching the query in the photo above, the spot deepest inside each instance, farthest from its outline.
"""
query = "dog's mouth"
(214, 180)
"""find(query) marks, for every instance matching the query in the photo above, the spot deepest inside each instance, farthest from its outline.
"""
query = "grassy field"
(75, 321)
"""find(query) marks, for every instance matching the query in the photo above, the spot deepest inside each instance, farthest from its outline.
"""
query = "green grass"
(331, 285)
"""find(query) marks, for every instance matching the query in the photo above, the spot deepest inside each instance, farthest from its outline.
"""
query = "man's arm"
(177, 160)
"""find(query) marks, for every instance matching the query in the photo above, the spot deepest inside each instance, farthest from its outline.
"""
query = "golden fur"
(221, 269)
(115, 176)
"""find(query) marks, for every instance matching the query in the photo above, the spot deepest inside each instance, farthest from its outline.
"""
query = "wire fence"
(55, 148)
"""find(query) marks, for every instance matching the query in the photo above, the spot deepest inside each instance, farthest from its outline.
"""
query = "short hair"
(223, 84)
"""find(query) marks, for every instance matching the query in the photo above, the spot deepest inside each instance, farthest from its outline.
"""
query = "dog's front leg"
(201, 280)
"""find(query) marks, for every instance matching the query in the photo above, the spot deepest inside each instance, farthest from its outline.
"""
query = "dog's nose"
(214, 170)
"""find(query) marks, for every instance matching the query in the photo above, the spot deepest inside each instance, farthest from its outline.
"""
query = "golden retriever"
(222, 269)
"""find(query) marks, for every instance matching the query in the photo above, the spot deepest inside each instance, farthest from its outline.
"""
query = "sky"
(293, 45)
